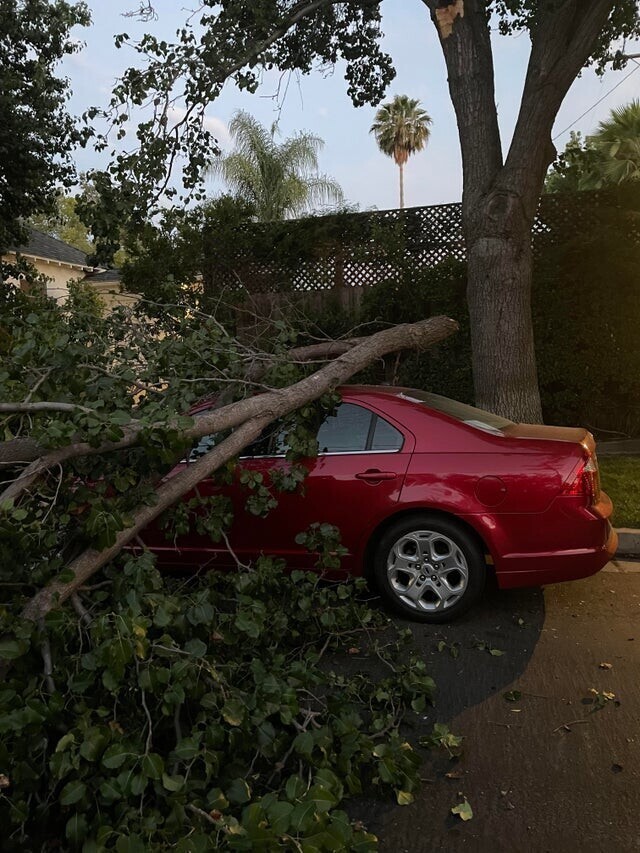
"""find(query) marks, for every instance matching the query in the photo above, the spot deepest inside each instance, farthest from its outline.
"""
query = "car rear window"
(469, 415)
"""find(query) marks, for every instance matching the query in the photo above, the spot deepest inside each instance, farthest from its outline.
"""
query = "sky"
(318, 103)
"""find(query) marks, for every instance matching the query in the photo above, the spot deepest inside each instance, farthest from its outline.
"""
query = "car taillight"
(585, 480)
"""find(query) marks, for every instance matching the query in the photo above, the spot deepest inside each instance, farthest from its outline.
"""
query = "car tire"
(429, 568)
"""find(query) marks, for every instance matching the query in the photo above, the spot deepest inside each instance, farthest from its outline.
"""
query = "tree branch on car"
(247, 417)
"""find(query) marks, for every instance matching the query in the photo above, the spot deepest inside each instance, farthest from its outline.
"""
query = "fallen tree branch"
(249, 417)
(20, 451)
(44, 406)
(417, 336)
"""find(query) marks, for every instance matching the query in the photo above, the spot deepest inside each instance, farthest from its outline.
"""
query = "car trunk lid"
(583, 478)
(541, 432)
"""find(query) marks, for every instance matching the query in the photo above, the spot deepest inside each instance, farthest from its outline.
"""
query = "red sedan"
(426, 492)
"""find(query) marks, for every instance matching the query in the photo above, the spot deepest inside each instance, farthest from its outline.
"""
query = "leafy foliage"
(589, 366)
(206, 714)
(441, 290)
(226, 41)
(221, 711)
(609, 157)
(401, 128)
(37, 135)
(278, 180)
(64, 224)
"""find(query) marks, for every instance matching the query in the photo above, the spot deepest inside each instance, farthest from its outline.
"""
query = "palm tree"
(279, 180)
(617, 141)
(401, 128)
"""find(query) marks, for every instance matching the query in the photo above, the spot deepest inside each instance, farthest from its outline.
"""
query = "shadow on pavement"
(483, 652)
(470, 660)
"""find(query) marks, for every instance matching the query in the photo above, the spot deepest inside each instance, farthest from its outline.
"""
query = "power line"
(593, 106)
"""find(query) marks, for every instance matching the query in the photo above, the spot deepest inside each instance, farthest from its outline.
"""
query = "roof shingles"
(50, 248)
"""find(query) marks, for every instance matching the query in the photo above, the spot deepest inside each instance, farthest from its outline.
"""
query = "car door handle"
(373, 475)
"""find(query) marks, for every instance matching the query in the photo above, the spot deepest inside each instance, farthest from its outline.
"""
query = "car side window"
(346, 431)
(385, 437)
(351, 429)
(259, 447)
(354, 429)
(204, 445)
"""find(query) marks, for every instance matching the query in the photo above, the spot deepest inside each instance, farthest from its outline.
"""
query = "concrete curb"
(628, 542)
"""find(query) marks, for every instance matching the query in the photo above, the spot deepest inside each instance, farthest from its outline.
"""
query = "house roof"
(105, 276)
(50, 248)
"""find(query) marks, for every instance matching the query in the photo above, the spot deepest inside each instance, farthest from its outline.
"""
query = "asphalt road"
(551, 771)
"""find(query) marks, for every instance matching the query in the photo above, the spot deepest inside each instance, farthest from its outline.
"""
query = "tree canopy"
(37, 134)
(277, 179)
(238, 40)
(64, 224)
(401, 127)
(608, 157)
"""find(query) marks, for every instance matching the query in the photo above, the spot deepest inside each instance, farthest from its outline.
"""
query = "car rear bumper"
(566, 542)
(555, 566)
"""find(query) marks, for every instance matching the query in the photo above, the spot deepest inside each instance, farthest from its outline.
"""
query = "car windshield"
(460, 411)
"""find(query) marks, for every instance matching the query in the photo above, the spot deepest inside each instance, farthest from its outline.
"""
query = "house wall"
(112, 297)
(59, 274)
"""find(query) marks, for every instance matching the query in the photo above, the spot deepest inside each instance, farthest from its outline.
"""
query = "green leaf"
(303, 743)
(512, 695)
(92, 746)
(72, 792)
(137, 784)
(404, 798)
(172, 783)
(65, 741)
(115, 756)
(302, 817)
(130, 844)
(245, 623)
(496, 652)
(294, 788)
(12, 649)
(463, 810)
(187, 749)
(152, 766)
(233, 712)
(76, 828)
(196, 648)
(238, 792)
(279, 815)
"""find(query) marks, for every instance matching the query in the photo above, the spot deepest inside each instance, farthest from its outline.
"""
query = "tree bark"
(256, 413)
(19, 451)
(401, 170)
(499, 301)
(500, 200)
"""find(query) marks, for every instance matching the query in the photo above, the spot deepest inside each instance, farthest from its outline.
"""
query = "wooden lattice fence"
(358, 250)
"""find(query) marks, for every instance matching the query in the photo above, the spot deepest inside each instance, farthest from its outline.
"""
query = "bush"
(445, 368)
(586, 316)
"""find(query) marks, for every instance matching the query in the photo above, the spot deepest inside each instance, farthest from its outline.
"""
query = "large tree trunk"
(499, 260)
(500, 197)
(401, 169)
